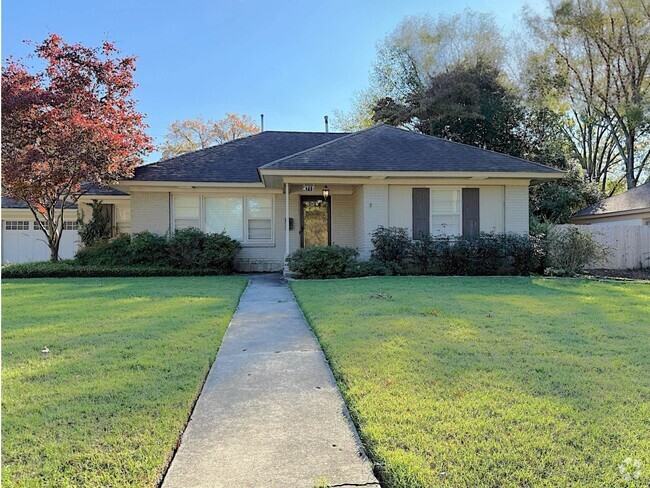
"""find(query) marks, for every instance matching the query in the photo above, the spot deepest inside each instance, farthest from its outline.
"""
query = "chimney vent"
(261, 122)
(327, 129)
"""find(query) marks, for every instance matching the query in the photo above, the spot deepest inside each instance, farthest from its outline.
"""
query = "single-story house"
(277, 191)
(628, 208)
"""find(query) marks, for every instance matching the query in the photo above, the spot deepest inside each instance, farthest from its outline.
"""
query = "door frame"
(304, 198)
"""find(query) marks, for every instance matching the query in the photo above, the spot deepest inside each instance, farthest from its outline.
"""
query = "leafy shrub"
(148, 249)
(322, 262)
(219, 252)
(187, 248)
(367, 268)
(97, 228)
(72, 269)
(113, 252)
(391, 247)
(570, 250)
(487, 254)
(425, 253)
(191, 247)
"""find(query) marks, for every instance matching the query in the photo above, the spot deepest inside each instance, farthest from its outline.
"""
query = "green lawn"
(491, 381)
(127, 358)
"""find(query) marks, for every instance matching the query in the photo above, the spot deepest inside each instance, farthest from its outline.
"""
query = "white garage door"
(23, 241)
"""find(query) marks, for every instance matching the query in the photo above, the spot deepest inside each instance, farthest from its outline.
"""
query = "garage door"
(23, 241)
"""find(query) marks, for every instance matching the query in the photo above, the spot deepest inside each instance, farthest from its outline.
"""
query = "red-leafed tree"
(69, 126)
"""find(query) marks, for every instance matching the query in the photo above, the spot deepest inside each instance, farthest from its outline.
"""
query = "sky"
(293, 61)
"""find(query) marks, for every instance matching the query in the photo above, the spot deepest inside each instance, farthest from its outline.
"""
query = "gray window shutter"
(471, 224)
(421, 212)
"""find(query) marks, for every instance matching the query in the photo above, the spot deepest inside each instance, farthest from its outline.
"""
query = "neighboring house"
(279, 191)
(23, 240)
(628, 208)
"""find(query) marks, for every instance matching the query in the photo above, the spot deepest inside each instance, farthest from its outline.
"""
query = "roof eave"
(545, 176)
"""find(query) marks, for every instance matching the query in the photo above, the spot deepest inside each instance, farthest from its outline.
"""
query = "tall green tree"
(602, 49)
(419, 48)
(465, 104)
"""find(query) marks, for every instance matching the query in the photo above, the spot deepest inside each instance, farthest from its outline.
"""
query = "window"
(225, 214)
(445, 211)
(17, 225)
(186, 212)
(70, 225)
(244, 218)
(259, 218)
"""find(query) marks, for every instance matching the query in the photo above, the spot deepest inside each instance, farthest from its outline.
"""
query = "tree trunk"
(54, 248)
(629, 169)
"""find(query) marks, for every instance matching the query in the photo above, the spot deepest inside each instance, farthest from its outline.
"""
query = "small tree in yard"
(97, 228)
(72, 123)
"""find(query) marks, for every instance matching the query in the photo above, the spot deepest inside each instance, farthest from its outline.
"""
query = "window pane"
(259, 207)
(186, 207)
(259, 229)
(186, 211)
(445, 211)
(225, 214)
(445, 201)
(445, 225)
(260, 218)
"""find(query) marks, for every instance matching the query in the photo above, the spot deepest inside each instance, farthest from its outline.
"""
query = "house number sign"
(307, 187)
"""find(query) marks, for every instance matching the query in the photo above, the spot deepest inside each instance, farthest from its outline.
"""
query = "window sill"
(258, 244)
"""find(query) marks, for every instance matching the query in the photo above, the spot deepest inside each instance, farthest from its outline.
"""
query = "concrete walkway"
(270, 413)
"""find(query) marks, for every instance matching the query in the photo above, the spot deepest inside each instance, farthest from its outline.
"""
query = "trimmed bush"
(149, 249)
(570, 250)
(187, 248)
(372, 267)
(391, 247)
(322, 262)
(113, 252)
(71, 269)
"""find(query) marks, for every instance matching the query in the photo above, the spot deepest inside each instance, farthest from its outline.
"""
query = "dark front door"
(314, 221)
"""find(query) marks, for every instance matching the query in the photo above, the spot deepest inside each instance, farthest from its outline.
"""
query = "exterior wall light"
(326, 192)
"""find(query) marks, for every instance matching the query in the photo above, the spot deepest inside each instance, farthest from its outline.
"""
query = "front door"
(314, 221)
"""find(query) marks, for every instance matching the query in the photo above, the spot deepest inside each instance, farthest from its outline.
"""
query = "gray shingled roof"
(11, 203)
(236, 161)
(387, 148)
(635, 199)
(91, 190)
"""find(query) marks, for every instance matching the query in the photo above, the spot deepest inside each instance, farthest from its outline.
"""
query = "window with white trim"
(70, 225)
(244, 218)
(187, 211)
(445, 211)
(225, 214)
(16, 224)
(259, 218)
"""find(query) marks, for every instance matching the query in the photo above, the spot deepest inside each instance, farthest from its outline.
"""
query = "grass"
(491, 381)
(106, 405)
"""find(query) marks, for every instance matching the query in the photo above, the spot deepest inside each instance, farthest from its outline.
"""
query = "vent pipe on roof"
(327, 129)
(261, 122)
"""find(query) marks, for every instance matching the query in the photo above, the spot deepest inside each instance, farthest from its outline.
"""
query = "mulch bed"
(630, 274)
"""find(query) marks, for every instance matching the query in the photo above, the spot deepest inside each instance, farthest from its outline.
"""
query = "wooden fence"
(629, 245)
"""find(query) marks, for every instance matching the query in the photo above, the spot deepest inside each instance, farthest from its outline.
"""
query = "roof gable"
(386, 148)
(235, 161)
